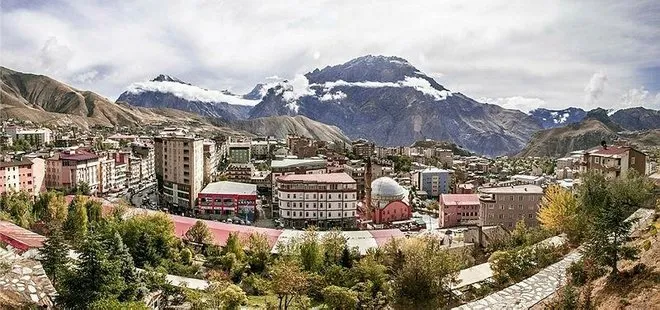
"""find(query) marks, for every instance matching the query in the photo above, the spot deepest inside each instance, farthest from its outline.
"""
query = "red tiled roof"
(611, 150)
(459, 199)
(383, 236)
(221, 231)
(79, 155)
(318, 178)
(19, 237)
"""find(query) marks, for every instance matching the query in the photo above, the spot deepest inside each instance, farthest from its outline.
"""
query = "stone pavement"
(26, 279)
(531, 291)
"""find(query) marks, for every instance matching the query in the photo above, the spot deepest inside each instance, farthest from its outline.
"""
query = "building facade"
(507, 205)
(459, 209)
(36, 137)
(322, 200)
(389, 202)
(16, 176)
(183, 170)
(228, 199)
(239, 152)
(614, 161)
(432, 180)
(289, 166)
(240, 172)
(68, 169)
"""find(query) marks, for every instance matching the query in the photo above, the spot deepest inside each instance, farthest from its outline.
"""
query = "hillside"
(638, 118)
(45, 101)
(456, 149)
(557, 118)
(558, 142)
(389, 101)
(281, 126)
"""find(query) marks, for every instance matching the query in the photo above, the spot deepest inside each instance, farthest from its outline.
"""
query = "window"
(491, 206)
(520, 207)
(632, 160)
(597, 160)
(501, 216)
(530, 215)
(288, 195)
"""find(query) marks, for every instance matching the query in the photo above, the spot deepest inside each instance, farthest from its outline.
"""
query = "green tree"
(55, 256)
(75, 227)
(333, 244)
(83, 189)
(51, 207)
(288, 282)
(234, 246)
(96, 278)
(186, 256)
(199, 233)
(311, 252)
(113, 304)
(425, 278)
(258, 252)
(149, 238)
(94, 211)
(229, 296)
(608, 236)
(19, 206)
(119, 254)
(340, 298)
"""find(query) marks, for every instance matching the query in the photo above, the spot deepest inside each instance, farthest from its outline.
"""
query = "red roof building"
(19, 237)
(458, 209)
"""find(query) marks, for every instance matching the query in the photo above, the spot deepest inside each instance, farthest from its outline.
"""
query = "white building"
(36, 137)
(322, 200)
(107, 175)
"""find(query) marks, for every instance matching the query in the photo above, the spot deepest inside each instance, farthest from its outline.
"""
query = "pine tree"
(54, 256)
(118, 253)
(75, 226)
(234, 246)
(199, 233)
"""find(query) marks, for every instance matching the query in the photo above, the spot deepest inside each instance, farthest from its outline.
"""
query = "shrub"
(255, 285)
(583, 271)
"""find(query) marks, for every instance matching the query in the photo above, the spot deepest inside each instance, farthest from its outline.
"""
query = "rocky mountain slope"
(557, 118)
(281, 126)
(390, 102)
(165, 91)
(43, 100)
(596, 127)
(638, 118)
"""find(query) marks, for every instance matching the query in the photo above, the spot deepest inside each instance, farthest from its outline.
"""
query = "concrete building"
(323, 200)
(289, 166)
(261, 149)
(110, 144)
(613, 161)
(16, 176)
(68, 169)
(528, 179)
(432, 180)
(183, 170)
(211, 160)
(158, 161)
(228, 199)
(459, 209)
(134, 173)
(147, 155)
(389, 202)
(363, 148)
(239, 152)
(507, 205)
(121, 173)
(107, 175)
(36, 137)
(240, 172)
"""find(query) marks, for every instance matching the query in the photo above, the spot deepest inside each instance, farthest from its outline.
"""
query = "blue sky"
(519, 54)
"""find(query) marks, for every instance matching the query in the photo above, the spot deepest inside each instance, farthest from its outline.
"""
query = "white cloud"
(640, 97)
(189, 92)
(594, 89)
(497, 49)
(516, 103)
(338, 95)
(418, 84)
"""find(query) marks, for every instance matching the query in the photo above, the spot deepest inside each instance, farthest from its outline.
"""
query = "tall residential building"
(323, 200)
(17, 175)
(66, 170)
(211, 160)
(433, 181)
(363, 148)
(239, 152)
(146, 154)
(183, 170)
(36, 137)
(614, 161)
(107, 175)
(289, 166)
(507, 205)
(158, 161)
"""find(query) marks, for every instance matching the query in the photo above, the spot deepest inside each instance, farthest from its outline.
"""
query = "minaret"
(367, 188)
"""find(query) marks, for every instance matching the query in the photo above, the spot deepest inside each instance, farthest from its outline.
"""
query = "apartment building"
(158, 161)
(322, 200)
(289, 166)
(183, 170)
(507, 205)
(261, 149)
(459, 209)
(107, 175)
(363, 148)
(67, 169)
(36, 137)
(613, 161)
(239, 152)
(211, 160)
(433, 181)
(16, 176)
(240, 172)
(147, 162)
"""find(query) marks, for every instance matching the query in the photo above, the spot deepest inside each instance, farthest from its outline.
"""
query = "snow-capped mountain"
(557, 118)
(166, 91)
(389, 101)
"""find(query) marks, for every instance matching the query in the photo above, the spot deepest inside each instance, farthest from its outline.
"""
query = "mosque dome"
(385, 188)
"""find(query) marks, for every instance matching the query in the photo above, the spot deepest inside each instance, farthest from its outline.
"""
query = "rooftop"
(516, 189)
(341, 177)
(19, 237)
(15, 163)
(77, 155)
(434, 170)
(459, 199)
(292, 162)
(610, 150)
(226, 187)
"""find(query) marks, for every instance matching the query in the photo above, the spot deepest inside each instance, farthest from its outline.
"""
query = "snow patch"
(338, 95)
(189, 92)
(417, 83)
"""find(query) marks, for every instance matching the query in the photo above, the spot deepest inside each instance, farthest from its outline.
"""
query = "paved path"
(531, 291)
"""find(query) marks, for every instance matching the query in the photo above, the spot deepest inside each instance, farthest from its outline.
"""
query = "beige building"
(507, 205)
(183, 170)
(323, 200)
(68, 169)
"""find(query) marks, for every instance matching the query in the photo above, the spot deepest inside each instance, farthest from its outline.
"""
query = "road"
(140, 198)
